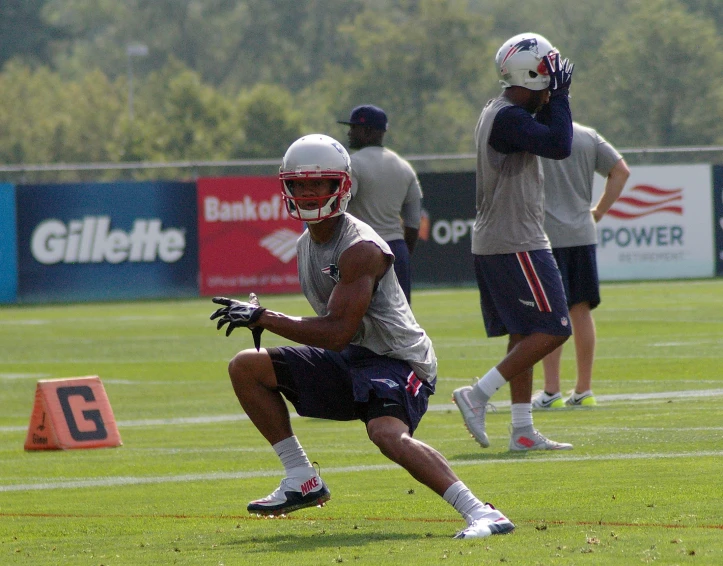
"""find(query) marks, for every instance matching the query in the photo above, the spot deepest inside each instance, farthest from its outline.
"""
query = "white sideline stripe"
(615, 397)
(133, 480)
(442, 407)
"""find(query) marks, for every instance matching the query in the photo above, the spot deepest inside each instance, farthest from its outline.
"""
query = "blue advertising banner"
(8, 245)
(718, 217)
(443, 254)
(106, 241)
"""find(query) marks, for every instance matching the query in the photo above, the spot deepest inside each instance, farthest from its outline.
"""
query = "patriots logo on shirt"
(332, 271)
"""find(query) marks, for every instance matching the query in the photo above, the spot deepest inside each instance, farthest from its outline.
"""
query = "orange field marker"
(71, 413)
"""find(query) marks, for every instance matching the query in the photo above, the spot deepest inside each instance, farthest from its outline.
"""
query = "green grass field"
(644, 483)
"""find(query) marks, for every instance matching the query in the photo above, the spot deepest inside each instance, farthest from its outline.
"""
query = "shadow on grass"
(321, 539)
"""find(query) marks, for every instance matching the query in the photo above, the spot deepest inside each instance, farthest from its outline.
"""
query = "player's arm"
(614, 185)
(514, 129)
(411, 235)
(411, 214)
(360, 267)
(549, 133)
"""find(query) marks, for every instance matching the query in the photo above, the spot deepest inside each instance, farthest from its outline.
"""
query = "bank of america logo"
(643, 200)
(281, 244)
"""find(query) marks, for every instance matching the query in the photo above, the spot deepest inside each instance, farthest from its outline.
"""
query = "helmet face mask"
(316, 156)
(520, 62)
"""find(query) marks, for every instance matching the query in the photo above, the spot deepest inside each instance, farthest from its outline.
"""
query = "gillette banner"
(247, 242)
(106, 241)
(8, 245)
(661, 226)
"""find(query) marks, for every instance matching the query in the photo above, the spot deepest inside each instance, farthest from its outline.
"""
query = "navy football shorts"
(578, 267)
(522, 293)
(352, 384)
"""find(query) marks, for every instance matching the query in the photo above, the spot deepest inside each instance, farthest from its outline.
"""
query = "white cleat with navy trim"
(293, 494)
(491, 523)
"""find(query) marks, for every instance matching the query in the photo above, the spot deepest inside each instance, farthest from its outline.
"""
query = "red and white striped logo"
(414, 384)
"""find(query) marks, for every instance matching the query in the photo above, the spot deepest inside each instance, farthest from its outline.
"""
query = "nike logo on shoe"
(466, 399)
(309, 485)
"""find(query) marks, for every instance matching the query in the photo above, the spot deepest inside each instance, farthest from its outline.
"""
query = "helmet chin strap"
(316, 215)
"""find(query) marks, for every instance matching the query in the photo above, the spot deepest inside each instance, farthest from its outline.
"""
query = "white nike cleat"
(528, 438)
(473, 414)
(586, 399)
(542, 400)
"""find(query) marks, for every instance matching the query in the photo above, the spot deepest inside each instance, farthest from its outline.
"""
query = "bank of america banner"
(247, 242)
(661, 227)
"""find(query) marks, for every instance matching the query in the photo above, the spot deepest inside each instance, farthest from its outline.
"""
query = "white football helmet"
(316, 156)
(520, 62)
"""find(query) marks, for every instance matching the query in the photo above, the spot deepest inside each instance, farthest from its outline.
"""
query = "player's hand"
(560, 72)
(237, 314)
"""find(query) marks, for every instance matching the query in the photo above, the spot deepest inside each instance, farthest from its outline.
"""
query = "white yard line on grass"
(442, 407)
(138, 480)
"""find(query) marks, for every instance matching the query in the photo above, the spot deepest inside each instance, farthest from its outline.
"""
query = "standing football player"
(570, 218)
(362, 357)
(385, 189)
(521, 291)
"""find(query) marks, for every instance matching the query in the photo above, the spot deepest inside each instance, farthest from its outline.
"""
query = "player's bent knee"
(248, 365)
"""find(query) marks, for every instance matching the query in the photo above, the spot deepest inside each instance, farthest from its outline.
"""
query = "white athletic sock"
(521, 414)
(293, 457)
(576, 395)
(488, 385)
(463, 500)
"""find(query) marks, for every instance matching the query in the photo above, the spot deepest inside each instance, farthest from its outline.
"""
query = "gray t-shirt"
(510, 198)
(383, 183)
(568, 188)
(388, 328)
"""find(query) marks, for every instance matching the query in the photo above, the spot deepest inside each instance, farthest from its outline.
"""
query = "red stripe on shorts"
(533, 281)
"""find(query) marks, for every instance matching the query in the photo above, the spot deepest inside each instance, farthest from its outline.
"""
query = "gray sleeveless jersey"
(568, 188)
(510, 197)
(388, 327)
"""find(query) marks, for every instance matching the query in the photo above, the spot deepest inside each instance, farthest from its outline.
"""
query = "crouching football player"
(362, 357)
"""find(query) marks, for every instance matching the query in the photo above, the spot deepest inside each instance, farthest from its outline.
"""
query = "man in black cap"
(385, 193)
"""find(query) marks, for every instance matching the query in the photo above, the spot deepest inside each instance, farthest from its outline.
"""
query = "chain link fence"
(193, 169)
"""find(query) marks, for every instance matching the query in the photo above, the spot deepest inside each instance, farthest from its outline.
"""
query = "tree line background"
(238, 79)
